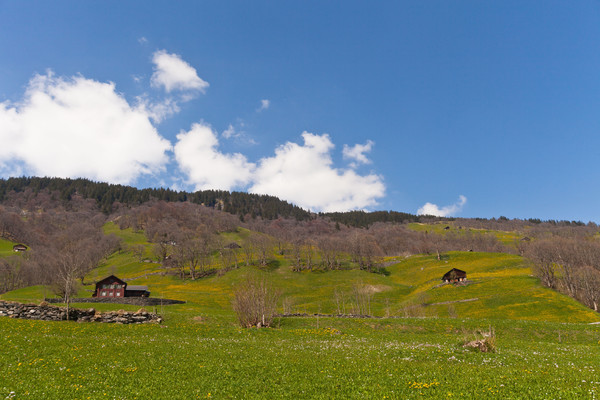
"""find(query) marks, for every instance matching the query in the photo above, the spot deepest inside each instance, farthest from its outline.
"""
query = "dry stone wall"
(137, 301)
(47, 312)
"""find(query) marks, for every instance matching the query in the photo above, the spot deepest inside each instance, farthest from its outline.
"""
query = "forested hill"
(238, 203)
(108, 195)
(363, 219)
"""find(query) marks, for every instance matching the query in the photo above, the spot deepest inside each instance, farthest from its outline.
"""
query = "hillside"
(108, 197)
(545, 344)
(500, 286)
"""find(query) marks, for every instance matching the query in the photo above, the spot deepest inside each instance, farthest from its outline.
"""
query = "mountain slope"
(500, 287)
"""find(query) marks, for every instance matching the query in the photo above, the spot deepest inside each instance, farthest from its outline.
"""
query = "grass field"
(303, 358)
(504, 237)
(546, 346)
(6, 248)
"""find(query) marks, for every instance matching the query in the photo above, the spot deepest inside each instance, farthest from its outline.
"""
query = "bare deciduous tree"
(74, 252)
(255, 302)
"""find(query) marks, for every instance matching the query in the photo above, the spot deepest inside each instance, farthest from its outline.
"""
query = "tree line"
(109, 197)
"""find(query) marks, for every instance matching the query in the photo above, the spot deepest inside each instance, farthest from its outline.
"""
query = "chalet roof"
(137, 287)
(455, 273)
(111, 278)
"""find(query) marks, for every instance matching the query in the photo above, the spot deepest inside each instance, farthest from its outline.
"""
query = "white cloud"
(172, 73)
(159, 110)
(207, 168)
(432, 209)
(78, 127)
(301, 174)
(237, 132)
(357, 153)
(142, 40)
(229, 132)
(304, 175)
(264, 105)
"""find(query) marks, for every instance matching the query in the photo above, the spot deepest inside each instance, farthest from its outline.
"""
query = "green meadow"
(547, 345)
(6, 248)
(210, 357)
(442, 228)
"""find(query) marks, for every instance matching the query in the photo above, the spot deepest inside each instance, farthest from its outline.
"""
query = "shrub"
(255, 302)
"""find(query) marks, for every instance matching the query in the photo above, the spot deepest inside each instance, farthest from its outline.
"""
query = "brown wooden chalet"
(455, 275)
(19, 247)
(112, 286)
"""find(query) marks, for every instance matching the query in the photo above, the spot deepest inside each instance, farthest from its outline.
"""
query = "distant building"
(19, 247)
(455, 275)
(233, 245)
(112, 286)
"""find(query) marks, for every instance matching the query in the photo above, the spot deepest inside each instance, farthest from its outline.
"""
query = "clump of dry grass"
(483, 341)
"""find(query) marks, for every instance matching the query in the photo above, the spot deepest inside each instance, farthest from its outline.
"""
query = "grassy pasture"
(505, 237)
(501, 287)
(546, 345)
(6, 248)
(303, 358)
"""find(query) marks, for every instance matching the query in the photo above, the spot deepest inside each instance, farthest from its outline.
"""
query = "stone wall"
(137, 301)
(47, 312)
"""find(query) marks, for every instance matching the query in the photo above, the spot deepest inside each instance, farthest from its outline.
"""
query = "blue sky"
(466, 108)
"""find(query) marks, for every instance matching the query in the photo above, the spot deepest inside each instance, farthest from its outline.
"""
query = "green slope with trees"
(408, 342)
(183, 248)
(499, 285)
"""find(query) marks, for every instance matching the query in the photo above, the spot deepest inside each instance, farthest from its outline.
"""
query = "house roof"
(137, 287)
(455, 272)
(111, 278)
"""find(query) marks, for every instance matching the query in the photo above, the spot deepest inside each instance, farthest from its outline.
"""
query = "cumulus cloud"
(172, 73)
(446, 211)
(304, 175)
(264, 105)
(206, 167)
(357, 153)
(78, 127)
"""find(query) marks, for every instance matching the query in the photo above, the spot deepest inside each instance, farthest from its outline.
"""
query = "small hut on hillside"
(455, 275)
(19, 247)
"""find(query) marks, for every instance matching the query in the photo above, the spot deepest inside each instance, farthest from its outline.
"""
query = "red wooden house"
(112, 286)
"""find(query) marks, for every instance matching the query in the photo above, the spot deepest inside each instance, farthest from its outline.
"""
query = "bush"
(255, 302)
